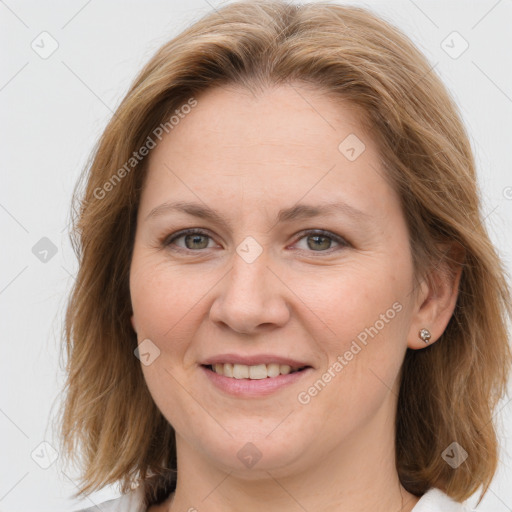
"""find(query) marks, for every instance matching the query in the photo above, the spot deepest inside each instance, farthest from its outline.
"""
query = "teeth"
(256, 372)
(240, 371)
(273, 370)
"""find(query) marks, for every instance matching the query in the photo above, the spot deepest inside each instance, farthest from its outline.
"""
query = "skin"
(247, 156)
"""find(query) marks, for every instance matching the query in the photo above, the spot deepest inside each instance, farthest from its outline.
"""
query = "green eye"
(196, 240)
(321, 241)
(193, 239)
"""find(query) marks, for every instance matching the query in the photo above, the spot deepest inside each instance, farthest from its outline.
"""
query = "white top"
(433, 500)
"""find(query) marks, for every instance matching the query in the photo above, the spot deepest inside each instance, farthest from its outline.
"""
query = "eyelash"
(168, 240)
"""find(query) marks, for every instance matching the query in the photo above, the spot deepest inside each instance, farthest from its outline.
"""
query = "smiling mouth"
(255, 372)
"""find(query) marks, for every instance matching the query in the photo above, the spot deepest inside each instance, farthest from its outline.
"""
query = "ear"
(437, 297)
(132, 320)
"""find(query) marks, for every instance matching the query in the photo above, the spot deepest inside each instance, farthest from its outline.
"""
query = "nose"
(251, 298)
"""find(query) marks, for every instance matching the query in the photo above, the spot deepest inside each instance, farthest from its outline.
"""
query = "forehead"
(287, 118)
(280, 144)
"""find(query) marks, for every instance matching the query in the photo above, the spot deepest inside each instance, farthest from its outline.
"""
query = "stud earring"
(425, 335)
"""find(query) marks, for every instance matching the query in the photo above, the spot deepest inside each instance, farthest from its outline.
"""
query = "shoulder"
(436, 500)
(130, 502)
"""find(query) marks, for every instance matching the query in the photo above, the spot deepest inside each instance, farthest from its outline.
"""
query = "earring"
(425, 335)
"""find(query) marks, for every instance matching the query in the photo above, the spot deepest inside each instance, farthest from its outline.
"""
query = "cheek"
(355, 302)
(163, 298)
(165, 305)
(360, 327)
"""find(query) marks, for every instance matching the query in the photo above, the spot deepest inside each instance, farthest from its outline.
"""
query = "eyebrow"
(297, 212)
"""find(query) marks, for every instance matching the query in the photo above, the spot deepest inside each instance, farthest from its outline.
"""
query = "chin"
(251, 457)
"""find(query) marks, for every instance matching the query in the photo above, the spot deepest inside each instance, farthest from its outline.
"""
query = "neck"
(357, 475)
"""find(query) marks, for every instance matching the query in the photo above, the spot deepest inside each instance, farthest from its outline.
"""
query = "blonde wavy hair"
(108, 421)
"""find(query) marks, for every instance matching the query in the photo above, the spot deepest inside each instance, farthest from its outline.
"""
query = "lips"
(257, 385)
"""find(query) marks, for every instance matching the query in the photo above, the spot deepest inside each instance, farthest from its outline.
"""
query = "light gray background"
(54, 109)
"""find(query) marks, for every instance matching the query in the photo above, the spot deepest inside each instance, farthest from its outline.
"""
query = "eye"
(319, 240)
(194, 239)
(316, 240)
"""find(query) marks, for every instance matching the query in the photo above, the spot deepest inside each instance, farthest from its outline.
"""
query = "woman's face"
(260, 284)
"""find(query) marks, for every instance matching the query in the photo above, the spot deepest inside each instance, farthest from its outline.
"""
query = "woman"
(286, 296)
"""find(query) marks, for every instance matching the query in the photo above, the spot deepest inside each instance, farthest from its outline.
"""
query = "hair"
(448, 391)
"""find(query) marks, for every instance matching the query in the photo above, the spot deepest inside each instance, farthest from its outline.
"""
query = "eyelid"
(167, 240)
(322, 232)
